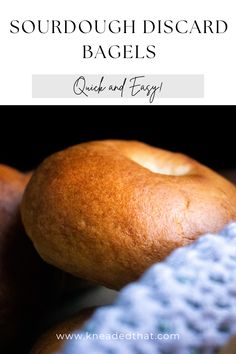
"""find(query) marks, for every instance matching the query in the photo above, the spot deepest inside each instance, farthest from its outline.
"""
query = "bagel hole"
(169, 169)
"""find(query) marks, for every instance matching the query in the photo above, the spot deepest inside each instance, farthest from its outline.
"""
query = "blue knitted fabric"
(192, 294)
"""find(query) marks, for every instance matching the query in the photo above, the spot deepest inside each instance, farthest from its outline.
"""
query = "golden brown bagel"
(49, 343)
(26, 282)
(107, 210)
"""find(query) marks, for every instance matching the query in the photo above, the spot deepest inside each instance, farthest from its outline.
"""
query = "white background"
(23, 55)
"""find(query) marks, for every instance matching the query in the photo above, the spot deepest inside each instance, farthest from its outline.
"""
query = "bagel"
(26, 282)
(50, 343)
(230, 347)
(106, 210)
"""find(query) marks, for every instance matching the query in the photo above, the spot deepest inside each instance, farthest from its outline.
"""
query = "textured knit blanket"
(184, 305)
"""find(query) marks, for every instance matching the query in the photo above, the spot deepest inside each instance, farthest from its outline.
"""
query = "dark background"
(25, 141)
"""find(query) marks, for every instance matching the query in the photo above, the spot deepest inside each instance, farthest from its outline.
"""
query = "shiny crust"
(107, 210)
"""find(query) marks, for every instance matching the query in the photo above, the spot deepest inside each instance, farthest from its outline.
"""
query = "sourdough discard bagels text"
(107, 210)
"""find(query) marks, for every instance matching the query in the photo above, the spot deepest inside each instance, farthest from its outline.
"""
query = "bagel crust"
(49, 343)
(106, 210)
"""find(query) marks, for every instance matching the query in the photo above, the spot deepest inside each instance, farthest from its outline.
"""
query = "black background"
(26, 140)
